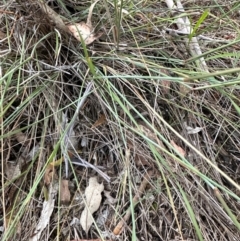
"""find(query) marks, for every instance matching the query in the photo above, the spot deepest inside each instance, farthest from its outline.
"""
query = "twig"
(56, 18)
(179, 32)
(184, 26)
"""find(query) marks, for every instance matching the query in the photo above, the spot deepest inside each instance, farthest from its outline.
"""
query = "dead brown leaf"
(2, 35)
(64, 192)
(12, 171)
(21, 138)
(178, 148)
(101, 120)
(48, 175)
(50, 171)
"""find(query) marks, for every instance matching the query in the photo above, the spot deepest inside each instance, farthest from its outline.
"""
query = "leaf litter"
(105, 143)
(93, 199)
(47, 210)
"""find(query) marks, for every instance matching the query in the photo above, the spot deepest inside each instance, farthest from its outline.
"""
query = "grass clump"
(161, 120)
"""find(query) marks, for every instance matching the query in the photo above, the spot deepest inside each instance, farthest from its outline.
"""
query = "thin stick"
(55, 17)
(184, 26)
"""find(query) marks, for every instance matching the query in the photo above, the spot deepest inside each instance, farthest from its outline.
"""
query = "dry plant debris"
(134, 136)
(81, 31)
(47, 209)
(85, 31)
(120, 226)
(93, 200)
(65, 195)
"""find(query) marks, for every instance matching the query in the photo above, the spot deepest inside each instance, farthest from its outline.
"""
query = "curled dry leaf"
(178, 148)
(64, 192)
(101, 120)
(48, 175)
(12, 171)
(46, 213)
(93, 200)
(50, 171)
(21, 137)
(83, 30)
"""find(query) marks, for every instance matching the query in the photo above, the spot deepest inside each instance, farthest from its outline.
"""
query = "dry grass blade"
(120, 226)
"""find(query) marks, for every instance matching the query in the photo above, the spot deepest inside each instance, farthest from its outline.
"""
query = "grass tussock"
(160, 121)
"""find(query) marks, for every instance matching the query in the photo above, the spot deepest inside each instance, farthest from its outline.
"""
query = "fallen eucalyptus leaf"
(195, 130)
(93, 200)
(47, 209)
(85, 31)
